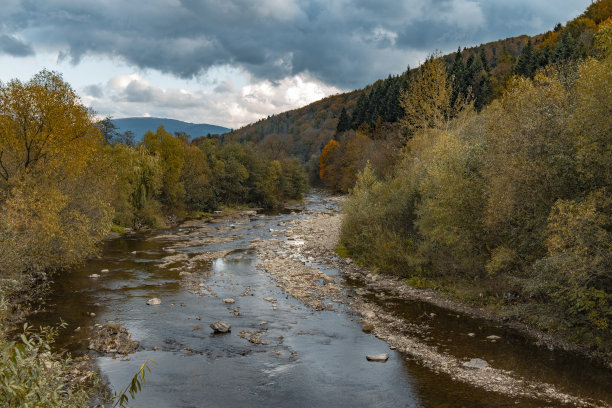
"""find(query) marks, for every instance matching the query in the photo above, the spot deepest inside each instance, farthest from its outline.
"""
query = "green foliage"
(32, 375)
(135, 385)
(509, 207)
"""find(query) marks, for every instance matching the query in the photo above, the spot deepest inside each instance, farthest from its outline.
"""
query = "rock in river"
(367, 328)
(112, 338)
(220, 327)
(154, 301)
(378, 357)
(229, 300)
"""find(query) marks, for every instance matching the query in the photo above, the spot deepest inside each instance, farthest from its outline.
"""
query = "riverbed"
(284, 350)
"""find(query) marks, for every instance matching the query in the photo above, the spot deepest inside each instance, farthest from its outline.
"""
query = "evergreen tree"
(457, 73)
(344, 122)
(359, 113)
(566, 48)
(526, 62)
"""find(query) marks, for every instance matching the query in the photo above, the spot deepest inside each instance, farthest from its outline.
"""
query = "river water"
(311, 359)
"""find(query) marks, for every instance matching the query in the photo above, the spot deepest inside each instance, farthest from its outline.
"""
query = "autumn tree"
(55, 182)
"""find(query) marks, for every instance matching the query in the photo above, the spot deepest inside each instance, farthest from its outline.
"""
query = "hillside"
(483, 70)
(140, 126)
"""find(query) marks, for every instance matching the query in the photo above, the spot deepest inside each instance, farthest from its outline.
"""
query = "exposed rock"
(94, 276)
(112, 338)
(471, 334)
(378, 357)
(493, 337)
(367, 328)
(104, 271)
(154, 301)
(220, 327)
(476, 363)
(229, 300)
(270, 299)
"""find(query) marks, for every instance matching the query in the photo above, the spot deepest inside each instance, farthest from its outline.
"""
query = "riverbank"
(295, 264)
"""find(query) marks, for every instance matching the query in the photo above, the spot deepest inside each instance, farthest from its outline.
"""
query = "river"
(307, 358)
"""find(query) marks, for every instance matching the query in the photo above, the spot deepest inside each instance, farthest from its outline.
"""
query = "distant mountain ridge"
(140, 126)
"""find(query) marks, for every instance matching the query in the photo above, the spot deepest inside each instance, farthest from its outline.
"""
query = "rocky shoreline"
(295, 264)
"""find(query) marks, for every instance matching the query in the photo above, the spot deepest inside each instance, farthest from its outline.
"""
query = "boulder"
(220, 327)
(378, 357)
(154, 301)
(112, 338)
(367, 328)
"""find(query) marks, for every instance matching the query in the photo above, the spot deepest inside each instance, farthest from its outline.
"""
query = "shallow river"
(312, 359)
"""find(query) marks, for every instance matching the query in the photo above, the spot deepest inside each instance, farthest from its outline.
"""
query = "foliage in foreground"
(32, 375)
(515, 201)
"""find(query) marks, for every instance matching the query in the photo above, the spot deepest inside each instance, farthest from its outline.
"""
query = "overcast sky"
(231, 62)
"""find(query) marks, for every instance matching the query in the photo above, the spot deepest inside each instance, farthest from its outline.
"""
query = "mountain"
(140, 126)
(482, 70)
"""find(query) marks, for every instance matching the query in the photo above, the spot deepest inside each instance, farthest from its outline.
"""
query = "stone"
(493, 337)
(270, 299)
(220, 327)
(112, 338)
(378, 357)
(183, 273)
(471, 334)
(94, 276)
(154, 301)
(476, 363)
(229, 300)
(104, 271)
(367, 328)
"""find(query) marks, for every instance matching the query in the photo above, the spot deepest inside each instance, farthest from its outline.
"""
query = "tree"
(55, 181)
(426, 102)
(526, 63)
(344, 122)
(171, 153)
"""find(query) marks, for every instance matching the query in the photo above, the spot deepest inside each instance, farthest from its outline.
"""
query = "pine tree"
(344, 122)
(526, 62)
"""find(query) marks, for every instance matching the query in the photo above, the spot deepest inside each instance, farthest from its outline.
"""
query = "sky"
(232, 62)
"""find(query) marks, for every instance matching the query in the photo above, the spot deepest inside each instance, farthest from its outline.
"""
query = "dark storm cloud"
(12, 46)
(342, 43)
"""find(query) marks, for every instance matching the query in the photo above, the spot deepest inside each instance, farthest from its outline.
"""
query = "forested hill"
(140, 126)
(483, 69)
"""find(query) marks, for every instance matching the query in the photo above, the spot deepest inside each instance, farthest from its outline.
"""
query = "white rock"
(471, 334)
(94, 276)
(378, 357)
(154, 301)
(104, 271)
(493, 337)
(476, 363)
(220, 327)
(229, 300)
(270, 299)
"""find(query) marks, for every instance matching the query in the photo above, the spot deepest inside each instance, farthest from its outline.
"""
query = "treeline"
(510, 206)
(167, 175)
(65, 179)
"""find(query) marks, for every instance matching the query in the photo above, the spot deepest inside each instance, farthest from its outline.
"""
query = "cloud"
(346, 44)
(15, 47)
(226, 105)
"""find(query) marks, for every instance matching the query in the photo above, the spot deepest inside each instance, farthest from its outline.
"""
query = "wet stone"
(220, 327)
(154, 301)
(112, 338)
(476, 363)
(381, 358)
